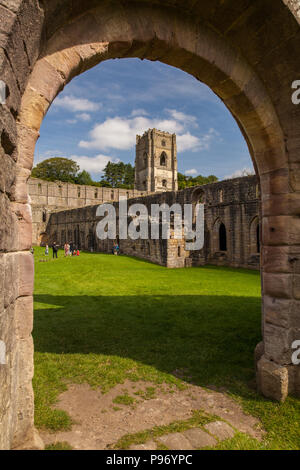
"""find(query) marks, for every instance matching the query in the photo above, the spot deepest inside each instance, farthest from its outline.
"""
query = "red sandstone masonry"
(248, 59)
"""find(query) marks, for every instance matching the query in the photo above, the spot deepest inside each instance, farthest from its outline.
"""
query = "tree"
(189, 181)
(62, 169)
(118, 175)
(84, 178)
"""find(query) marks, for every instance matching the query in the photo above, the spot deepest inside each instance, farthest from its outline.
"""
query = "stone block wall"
(235, 203)
(50, 196)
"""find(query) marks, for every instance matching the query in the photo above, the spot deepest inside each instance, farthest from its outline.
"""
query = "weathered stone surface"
(199, 438)
(176, 441)
(281, 230)
(33, 109)
(278, 311)
(149, 445)
(19, 193)
(278, 285)
(25, 273)
(26, 144)
(23, 226)
(24, 317)
(220, 430)
(272, 379)
(277, 342)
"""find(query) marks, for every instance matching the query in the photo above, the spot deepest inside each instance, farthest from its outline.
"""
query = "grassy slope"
(101, 319)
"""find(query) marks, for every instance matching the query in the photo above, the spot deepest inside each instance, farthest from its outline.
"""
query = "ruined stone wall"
(235, 203)
(50, 196)
(246, 52)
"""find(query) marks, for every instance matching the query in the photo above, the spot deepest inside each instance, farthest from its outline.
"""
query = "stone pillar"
(277, 376)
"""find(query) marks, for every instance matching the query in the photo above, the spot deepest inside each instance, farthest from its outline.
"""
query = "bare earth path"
(100, 421)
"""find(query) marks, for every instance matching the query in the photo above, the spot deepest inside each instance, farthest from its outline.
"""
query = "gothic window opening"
(222, 238)
(164, 183)
(163, 159)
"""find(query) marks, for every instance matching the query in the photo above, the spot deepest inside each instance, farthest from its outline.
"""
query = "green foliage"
(119, 175)
(124, 399)
(188, 181)
(84, 178)
(52, 169)
(59, 446)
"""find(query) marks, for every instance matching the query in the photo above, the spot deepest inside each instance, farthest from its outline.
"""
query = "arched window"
(163, 159)
(164, 183)
(222, 238)
(254, 236)
(78, 192)
(145, 158)
(163, 143)
(258, 238)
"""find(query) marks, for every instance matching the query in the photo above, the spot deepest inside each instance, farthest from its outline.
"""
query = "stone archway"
(247, 52)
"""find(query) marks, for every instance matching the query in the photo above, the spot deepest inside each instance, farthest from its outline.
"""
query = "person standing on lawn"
(55, 250)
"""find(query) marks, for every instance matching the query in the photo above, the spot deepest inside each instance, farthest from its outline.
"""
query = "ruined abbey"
(247, 53)
(66, 212)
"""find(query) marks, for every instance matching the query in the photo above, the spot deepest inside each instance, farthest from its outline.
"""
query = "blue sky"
(96, 117)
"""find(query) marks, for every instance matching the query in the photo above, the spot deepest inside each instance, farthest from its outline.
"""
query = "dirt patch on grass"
(100, 420)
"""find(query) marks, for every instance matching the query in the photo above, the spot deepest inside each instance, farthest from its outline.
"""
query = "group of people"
(69, 250)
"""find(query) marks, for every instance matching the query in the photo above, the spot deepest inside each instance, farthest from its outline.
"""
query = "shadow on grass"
(212, 338)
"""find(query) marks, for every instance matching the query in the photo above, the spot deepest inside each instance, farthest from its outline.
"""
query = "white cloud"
(179, 116)
(93, 164)
(187, 142)
(71, 103)
(247, 171)
(191, 172)
(119, 133)
(83, 117)
(139, 112)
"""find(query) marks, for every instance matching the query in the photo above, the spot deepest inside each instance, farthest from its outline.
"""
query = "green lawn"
(101, 319)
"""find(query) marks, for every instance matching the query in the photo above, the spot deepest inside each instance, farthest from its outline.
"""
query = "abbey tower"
(156, 161)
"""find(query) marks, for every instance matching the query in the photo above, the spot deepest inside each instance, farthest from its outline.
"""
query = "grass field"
(101, 319)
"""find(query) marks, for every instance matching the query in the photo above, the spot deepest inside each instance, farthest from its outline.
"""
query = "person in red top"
(77, 252)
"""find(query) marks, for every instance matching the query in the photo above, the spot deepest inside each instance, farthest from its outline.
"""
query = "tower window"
(163, 143)
(78, 192)
(96, 194)
(164, 183)
(145, 158)
(163, 159)
(222, 238)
